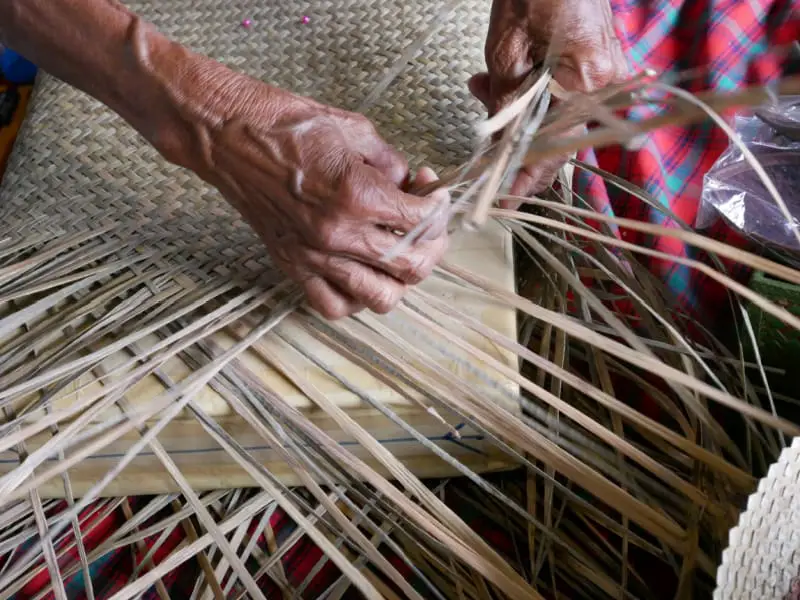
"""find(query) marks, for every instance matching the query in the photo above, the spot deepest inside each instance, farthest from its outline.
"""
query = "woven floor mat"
(79, 164)
(79, 170)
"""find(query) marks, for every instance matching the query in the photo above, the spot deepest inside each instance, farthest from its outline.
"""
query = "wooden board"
(207, 466)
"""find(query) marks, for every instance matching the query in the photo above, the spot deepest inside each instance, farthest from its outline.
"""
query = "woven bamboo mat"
(77, 160)
(78, 169)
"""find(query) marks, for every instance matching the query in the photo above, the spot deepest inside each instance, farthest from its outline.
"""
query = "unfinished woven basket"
(78, 168)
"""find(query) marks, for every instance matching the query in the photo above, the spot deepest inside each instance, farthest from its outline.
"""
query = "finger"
(412, 265)
(378, 248)
(480, 87)
(541, 175)
(327, 301)
(585, 76)
(375, 199)
(425, 177)
(622, 70)
(533, 179)
(366, 286)
(388, 161)
(599, 63)
(509, 204)
(419, 255)
(509, 61)
(530, 181)
(378, 215)
(538, 177)
(524, 184)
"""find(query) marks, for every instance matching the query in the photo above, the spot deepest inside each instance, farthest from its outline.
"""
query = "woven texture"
(77, 166)
(763, 555)
(71, 149)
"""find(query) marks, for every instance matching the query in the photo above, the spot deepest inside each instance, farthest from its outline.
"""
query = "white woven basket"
(762, 561)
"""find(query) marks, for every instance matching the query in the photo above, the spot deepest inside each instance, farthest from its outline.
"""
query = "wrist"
(190, 98)
(165, 94)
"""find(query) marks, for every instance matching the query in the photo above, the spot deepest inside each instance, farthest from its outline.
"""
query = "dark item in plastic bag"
(744, 201)
(734, 191)
(783, 117)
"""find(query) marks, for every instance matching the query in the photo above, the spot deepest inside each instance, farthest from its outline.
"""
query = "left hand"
(325, 193)
(520, 34)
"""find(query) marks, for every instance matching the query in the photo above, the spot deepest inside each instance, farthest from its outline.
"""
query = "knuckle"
(324, 302)
(362, 130)
(328, 311)
(543, 174)
(409, 271)
(281, 256)
(351, 192)
(328, 233)
(441, 196)
(414, 211)
(421, 264)
(385, 298)
(357, 280)
(334, 312)
(358, 122)
(600, 66)
(397, 165)
(366, 127)
(603, 70)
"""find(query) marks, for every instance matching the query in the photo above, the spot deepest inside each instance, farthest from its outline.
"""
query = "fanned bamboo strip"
(600, 482)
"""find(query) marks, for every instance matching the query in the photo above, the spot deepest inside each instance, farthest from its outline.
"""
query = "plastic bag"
(733, 190)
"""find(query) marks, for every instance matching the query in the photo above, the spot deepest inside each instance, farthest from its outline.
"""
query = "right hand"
(520, 35)
(319, 186)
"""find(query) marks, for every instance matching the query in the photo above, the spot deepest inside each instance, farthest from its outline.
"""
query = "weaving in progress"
(572, 380)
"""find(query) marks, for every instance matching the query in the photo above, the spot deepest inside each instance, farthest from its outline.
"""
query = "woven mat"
(78, 168)
(77, 165)
(763, 556)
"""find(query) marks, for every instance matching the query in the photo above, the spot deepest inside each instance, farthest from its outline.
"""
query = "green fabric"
(778, 343)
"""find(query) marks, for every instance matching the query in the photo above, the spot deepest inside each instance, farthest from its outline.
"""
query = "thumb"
(388, 161)
(509, 62)
(480, 86)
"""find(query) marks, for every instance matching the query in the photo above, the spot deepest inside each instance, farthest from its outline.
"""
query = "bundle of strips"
(149, 348)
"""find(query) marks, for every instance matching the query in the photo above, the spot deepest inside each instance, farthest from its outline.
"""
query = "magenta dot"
(306, 19)
(247, 23)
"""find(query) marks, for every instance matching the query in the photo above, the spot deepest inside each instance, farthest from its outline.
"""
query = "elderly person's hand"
(318, 184)
(521, 32)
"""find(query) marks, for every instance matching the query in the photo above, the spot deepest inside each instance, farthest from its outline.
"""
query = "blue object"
(15, 68)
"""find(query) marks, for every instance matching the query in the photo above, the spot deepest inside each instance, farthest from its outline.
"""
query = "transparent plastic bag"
(732, 190)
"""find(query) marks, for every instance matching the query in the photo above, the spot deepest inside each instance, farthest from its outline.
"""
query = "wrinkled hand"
(322, 190)
(520, 34)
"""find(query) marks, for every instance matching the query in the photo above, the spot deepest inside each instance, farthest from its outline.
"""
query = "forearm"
(102, 48)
